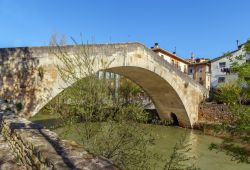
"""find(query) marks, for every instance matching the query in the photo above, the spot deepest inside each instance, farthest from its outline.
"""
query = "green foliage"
(236, 94)
(122, 142)
(247, 46)
(238, 153)
(105, 126)
(228, 92)
(129, 91)
(242, 122)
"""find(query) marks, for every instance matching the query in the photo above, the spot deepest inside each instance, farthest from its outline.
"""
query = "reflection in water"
(192, 140)
(167, 137)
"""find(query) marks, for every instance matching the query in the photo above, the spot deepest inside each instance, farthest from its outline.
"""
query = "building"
(200, 71)
(221, 66)
(172, 58)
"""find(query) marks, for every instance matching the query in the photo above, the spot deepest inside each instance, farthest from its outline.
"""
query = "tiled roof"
(218, 58)
(169, 54)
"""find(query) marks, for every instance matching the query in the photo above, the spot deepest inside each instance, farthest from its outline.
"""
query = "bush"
(228, 93)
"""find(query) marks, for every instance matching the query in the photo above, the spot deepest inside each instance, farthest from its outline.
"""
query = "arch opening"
(174, 120)
(164, 97)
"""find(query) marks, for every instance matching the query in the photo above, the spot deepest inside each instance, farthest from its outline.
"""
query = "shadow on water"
(154, 118)
(52, 123)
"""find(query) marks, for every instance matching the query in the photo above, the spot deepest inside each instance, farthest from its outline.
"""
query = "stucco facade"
(200, 72)
(171, 58)
(221, 66)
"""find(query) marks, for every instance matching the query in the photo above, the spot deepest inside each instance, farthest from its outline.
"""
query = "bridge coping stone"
(130, 45)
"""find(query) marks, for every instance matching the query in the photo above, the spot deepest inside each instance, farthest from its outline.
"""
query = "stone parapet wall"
(7, 160)
(39, 148)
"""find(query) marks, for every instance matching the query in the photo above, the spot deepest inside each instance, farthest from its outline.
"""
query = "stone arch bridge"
(29, 75)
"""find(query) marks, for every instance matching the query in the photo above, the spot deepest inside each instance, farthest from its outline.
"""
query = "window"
(221, 79)
(190, 71)
(226, 70)
(200, 69)
(201, 81)
(222, 64)
(177, 64)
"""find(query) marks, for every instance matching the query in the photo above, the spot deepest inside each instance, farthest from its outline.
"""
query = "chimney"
(156, 45)
(238, 44)
(174, 51)
(192, 55)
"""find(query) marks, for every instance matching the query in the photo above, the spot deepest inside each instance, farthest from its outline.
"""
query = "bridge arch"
(162, 94)
(170, 89)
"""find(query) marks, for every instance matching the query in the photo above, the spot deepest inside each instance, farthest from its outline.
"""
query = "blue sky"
(206, 27)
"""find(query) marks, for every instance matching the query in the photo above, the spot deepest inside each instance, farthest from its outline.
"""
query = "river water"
(167, 137)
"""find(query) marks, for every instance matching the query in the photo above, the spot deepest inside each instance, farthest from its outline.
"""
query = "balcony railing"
(226, 70)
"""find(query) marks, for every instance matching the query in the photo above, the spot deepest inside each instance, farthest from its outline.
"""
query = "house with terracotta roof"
(200, 70)
(171, 58)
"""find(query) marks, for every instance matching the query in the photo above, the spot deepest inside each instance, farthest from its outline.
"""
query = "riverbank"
(215, 129)
(226, 132)
(215, 120)
(165, 139)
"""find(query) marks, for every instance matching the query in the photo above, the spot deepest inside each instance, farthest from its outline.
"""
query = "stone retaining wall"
(8, 160)
(39, 148)
(216, 113)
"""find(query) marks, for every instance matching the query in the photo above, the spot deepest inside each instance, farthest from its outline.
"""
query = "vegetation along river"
(166, 138)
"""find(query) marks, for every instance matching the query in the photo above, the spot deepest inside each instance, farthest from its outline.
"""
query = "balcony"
(226, 70)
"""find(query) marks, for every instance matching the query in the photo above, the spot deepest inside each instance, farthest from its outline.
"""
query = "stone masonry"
(216, 113)
(25, 145)
(8, 160)
(30, 75)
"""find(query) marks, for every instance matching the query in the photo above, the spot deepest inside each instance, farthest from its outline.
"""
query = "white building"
(172, 58)
(221, 66)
